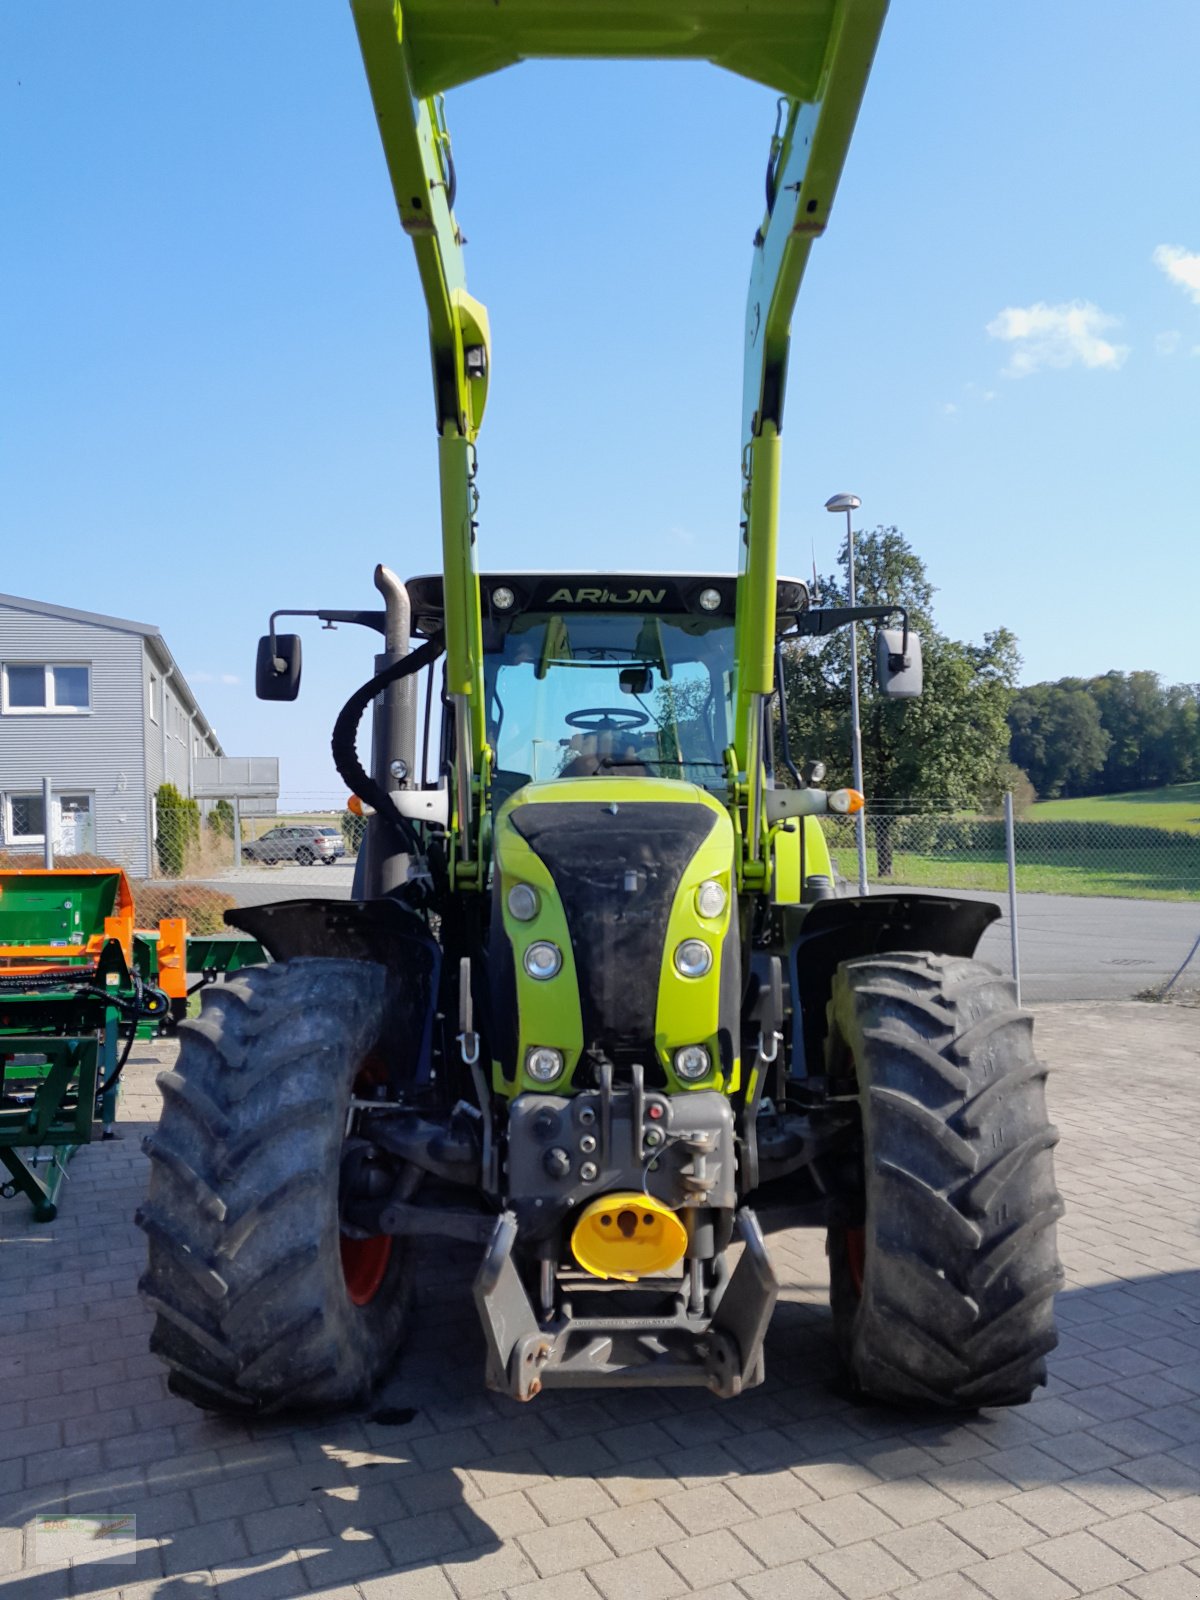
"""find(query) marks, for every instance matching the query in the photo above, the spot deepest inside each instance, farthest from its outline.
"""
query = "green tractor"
(595, 1006)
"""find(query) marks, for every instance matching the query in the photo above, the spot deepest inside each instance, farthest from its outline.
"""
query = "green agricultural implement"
(68, 991)
(596, 1006)
(78, 984)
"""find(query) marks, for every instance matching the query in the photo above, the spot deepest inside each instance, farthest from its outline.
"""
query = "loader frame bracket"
(722, 1352)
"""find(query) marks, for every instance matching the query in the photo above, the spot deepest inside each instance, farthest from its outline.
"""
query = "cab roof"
(656, 593)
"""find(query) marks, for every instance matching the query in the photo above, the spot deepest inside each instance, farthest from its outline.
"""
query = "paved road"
(1072, 948)
(791, 1493)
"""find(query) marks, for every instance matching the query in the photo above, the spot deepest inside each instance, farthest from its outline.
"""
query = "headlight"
(710, 599)
(503, 598)
(692, 1063)
(543, 1064)
(693, 958)
(543, 959)
(522, 902)
(711, 899)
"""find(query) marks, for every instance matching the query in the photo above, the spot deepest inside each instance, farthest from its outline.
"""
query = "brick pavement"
(446, 1493)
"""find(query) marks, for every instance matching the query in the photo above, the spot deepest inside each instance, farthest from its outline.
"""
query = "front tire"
(261, 1302)
(944, 1269)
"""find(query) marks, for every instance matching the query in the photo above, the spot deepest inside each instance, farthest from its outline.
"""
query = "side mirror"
(277, 671)
(898, 664)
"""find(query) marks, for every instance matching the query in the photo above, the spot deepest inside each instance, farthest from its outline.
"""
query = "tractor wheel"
(261, 1302)
(944, 1269)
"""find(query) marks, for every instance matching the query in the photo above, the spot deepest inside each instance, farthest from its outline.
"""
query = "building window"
(152, 696)
(26, 820)
(31, 688)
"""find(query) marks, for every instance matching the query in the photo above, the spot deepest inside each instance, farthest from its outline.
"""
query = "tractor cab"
(628, 675)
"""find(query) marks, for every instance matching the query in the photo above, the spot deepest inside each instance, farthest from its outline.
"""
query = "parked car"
(304, 844)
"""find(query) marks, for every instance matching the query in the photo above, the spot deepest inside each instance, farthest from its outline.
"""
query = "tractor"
(596, 1007)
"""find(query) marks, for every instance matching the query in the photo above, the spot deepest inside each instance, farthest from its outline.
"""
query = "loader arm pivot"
(817, 54)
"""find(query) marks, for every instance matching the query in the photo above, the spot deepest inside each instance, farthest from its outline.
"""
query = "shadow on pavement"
(441, 1472)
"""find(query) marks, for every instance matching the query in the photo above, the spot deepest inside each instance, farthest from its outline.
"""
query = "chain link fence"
(1104, 910)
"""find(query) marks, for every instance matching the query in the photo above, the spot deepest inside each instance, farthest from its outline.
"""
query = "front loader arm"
(817, 53)
(417, 148)
(808, 153)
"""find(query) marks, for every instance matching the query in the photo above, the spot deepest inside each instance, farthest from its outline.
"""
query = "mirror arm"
(330, 619)
(815, 624)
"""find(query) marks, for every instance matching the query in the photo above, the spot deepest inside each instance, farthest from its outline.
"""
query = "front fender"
(818, 938)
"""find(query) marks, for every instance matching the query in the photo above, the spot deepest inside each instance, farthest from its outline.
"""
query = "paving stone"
(429, 1537)
(797, 1581)
(708, 1558)
(847, 1519)
(413, 1583)
(566, 1586)
(767, 1492)
(1017, 1576)
(993, 1528)
(837, 1476)
(782, 1538)
(699, 1510)
(501, 1516)
(1084, 1560)
(949, 1586)
(929, 1549)
(1174, 1583)
(1146, 1541)
(644, 1525)
(488, 1571)
(644, 1576)
(863, 1570)
(565, 1502)
(910, 1500)
(1183, 1515)
(284, 1526)
(568, 1547)
(970, 1482)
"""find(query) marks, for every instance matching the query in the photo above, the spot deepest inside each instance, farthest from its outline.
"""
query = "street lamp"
(850, 503)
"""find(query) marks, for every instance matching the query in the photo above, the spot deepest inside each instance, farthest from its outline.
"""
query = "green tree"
(1058, 737)
(220, 819)
(178, 829)
(945, 748)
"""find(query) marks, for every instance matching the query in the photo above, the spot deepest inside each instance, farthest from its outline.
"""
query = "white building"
(97, 705)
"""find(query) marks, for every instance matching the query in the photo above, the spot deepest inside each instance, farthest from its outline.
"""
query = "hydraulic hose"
(345, 736)
(104, 1088)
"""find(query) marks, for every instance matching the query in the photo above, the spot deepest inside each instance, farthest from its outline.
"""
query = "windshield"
(574, 694)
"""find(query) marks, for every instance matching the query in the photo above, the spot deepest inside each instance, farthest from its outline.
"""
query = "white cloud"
(949, 409)
(229, 679)
(1057, 336)
(1167, 344)
(1182, 267)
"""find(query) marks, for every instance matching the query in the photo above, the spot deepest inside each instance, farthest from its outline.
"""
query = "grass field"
(1175, 807)
(1133, 846)
(1133, 875)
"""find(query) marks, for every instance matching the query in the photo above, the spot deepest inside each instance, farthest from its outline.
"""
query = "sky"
(214, 385)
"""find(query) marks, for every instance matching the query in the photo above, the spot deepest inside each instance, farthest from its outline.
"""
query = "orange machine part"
(172, 957)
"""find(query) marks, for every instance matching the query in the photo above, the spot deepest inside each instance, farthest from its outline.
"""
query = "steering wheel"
(606, 719)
